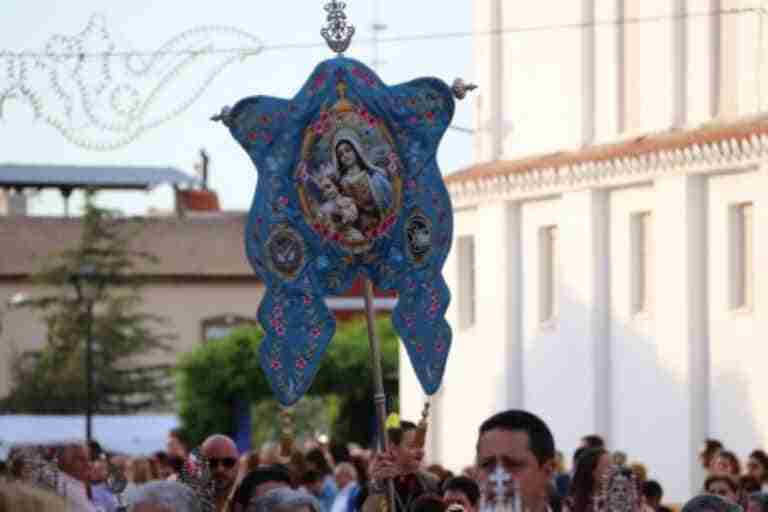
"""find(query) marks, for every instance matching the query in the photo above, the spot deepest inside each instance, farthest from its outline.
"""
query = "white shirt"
(493, 507)
(341, 501)
(74, 492)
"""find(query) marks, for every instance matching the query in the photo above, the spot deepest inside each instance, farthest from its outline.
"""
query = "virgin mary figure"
(367, 184)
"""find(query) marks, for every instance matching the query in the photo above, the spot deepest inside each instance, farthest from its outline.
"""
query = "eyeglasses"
(227, 462)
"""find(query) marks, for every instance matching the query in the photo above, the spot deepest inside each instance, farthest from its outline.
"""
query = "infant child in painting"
(339, 209)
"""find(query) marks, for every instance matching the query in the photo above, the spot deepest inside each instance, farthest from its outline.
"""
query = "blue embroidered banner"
(348, 184)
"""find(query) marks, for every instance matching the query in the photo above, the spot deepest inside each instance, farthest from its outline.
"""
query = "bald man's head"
(222, 455)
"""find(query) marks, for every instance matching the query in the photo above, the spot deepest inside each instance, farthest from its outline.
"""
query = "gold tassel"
(421, 429)
(286, 434)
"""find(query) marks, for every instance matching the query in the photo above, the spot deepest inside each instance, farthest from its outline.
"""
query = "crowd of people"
(517, 468)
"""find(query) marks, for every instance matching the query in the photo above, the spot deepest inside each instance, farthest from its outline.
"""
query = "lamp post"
(88, 284)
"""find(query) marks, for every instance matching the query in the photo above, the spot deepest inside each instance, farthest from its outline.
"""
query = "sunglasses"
(227, 462)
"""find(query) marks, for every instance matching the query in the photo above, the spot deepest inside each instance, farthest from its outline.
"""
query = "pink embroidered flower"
(419, 348)
(429, 116)
(253, 136)
(359, 73)
(307, 300)
(315, 332)
(275, 364)
(439, 346)
(301, 363)
(280, 330)
(283, 201)
(319, 81)
(413, 120)
(317, 128)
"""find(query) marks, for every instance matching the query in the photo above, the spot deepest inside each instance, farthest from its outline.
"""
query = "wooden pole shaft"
(379, 397)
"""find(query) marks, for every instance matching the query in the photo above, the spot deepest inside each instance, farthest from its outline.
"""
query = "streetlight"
(88, 284)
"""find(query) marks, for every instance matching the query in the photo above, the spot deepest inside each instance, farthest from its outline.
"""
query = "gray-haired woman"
(284, 500)
(163, 496)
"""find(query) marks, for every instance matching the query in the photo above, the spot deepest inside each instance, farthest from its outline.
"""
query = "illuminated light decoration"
(100, 98)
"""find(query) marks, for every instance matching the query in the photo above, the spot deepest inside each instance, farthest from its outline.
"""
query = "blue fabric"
(242, 427)
(348, 185)
(102, 497)
(352, 499)
(328, 494)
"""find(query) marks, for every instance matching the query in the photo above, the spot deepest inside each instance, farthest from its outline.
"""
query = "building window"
(742, 256)
(467, 291)
(641, 265)
(549, 259)
(221, 326)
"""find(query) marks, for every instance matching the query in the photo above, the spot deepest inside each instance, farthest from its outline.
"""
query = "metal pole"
(88, 372)
(379, 398)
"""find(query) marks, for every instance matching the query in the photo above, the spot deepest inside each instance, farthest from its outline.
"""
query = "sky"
(146, 25)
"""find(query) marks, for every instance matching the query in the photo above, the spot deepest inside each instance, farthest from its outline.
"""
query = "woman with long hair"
(590, 469)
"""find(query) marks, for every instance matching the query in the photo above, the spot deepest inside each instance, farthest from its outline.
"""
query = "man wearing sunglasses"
(222, 456)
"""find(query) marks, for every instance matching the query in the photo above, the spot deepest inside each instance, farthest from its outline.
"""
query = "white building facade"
(614, 286)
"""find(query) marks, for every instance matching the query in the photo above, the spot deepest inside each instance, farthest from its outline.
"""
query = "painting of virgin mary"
(365, 183)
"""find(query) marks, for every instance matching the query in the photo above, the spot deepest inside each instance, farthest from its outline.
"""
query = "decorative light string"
(105, 99)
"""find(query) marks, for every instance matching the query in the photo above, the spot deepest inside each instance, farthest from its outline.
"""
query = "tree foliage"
(214, 375)
(53, 380)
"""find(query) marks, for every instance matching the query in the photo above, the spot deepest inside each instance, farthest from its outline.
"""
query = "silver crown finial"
(337, 33)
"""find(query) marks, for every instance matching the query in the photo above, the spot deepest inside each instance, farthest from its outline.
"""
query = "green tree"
(212, 376)
(52, 380)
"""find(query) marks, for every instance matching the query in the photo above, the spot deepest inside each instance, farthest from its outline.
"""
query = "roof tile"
(724, 133)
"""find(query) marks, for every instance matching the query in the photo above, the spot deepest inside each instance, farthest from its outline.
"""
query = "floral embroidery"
(364, 77)
(319, 81)
(399, 129)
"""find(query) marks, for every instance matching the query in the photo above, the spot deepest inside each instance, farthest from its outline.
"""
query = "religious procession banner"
(348, 185)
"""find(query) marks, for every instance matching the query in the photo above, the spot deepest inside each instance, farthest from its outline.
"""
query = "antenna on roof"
(203, 166)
